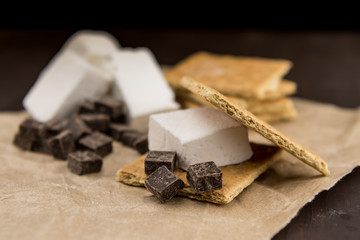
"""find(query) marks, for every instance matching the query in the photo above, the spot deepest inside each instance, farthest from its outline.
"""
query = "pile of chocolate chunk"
(85, 137)
(164, 184)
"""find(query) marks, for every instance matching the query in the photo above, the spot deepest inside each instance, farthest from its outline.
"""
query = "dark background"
(325, 50)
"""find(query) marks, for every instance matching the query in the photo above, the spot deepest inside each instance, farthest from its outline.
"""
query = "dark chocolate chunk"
(163, 184)
(41, 146)
(117, 131)
(54, 127)
(129, 138)
(23, 142)
(141, 144)
(204, 176)
(156, 159)
(113, 107)
(96, 121)
(77, 127)
(86, 106)
(84, 162)
(32, 129)
(97, 142)
(62, 144)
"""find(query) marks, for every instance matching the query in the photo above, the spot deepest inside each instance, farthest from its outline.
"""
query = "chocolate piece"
(62, 144)
(77, 127)
(23, 142)
(117, 130)
(86, 106)
(204, 176)
(156, 159)
(32, 129)
(113, 107)
(84, 162)
(96, 121)
(163, 184)
(129, 138)
(141, 144)
(96, 142)
(41, 146)
(54, 127)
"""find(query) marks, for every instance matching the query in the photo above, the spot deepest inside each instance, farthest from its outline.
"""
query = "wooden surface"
(326, 68)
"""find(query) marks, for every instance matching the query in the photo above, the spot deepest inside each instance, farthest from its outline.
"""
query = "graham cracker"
(248, 119)
(285, 88)
(282, 106)
(269, 110)
(248, 77)
(272, 114)
(235, 177)
(276, 117)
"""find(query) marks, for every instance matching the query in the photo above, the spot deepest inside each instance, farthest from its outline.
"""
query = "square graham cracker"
(281, 110)
(251, 121)
(270, 111)
(248, 77)
(235, 177)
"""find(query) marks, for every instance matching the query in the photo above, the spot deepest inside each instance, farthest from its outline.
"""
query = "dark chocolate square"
(23, 142)
(86, 106)
(163, 184)
(113, 107)
(141, 144)
(129, 138)
(117, 130)
(204, 176)
(54, 127)
(41, 146)
(84, 162)
(97, 142)
(96, 121)
(32, 129)
(77, 127)
(156, 159)
(62, 144)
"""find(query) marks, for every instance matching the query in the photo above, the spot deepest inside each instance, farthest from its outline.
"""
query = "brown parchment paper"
(41, 199)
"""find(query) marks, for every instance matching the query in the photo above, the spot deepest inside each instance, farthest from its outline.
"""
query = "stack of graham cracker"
(254, 83)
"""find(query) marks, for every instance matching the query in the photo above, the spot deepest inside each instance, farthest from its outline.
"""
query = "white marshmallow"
(62, 85)
(141, 84)
(200, 135)
(96, 47)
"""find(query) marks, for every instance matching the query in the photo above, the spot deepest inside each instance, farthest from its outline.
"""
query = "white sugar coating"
(65, 82)
(141, 84)
(200, 135)
(95, 47)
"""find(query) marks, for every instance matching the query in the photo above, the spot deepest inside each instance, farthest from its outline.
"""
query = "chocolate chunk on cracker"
(62, 144)
(96, 142)
(96, 121)
(84, 162)
(164, 184)
(156, 159)
(235, 177)
(204, 176)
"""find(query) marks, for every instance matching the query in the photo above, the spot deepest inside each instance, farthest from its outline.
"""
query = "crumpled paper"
(41, 199)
